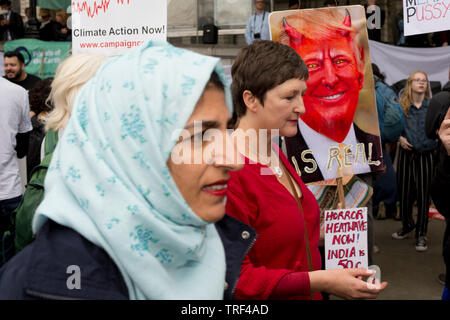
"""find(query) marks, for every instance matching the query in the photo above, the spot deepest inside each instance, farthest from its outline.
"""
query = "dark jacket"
(436, 111)
(40, 270)
(440, 188)
(15, 27)
(440, 185)
(47, 32)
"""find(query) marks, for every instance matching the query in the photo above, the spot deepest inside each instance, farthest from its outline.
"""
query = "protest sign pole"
(41, 67)
(340, 191)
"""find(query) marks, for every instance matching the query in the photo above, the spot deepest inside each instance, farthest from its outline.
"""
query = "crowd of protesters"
(51, 25)
(116, 153)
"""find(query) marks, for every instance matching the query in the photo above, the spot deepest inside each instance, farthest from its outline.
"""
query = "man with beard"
(14, 65)
(335, 58)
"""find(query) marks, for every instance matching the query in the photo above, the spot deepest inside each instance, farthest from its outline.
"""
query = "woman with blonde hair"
(415, 160)
(269, 81)
(70, 77)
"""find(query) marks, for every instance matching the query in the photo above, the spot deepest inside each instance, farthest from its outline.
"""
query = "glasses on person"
(420, 80)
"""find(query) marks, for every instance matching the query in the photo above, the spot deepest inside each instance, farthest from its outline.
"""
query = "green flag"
(54, 4)
(41, 57)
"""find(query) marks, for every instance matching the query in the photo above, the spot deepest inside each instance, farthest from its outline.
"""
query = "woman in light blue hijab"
(115, 181)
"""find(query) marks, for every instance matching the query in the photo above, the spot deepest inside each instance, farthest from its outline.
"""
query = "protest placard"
(41, 57)
(346, 238)
(338, 134)
(111, 27)
(425, 16)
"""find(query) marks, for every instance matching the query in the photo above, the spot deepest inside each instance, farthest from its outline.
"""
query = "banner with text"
(425, 16)
(111, 27)
(346, 238)
(41, 57)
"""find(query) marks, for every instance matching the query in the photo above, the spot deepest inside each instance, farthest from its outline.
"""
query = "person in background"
(11, 24)
(61, 30)
(385, 184)
(15, 126)
(26, 23)
(14, 65)
(47, 27)
(39, 109)
(437, 125)
(294, 4)
(399, 29)
(258, 24)
(415, 160)
(440, 39)
(119, 204)
(71, 75)
(269, 81)
(331, 3)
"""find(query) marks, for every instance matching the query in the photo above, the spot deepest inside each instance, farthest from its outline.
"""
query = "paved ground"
(411, 274)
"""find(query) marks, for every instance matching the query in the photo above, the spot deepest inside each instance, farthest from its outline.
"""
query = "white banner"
(424, 16)
(397, 63)
(111, 27)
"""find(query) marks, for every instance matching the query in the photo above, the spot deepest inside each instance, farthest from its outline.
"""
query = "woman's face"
(203, 174)
(282, 107)
(419, 83)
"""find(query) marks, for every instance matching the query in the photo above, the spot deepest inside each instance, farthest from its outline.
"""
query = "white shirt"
(320, 144)
(14, 119)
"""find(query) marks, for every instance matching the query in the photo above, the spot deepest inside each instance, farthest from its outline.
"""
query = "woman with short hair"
(269, 81)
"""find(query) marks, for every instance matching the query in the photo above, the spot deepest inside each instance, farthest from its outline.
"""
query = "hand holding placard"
(346, 283)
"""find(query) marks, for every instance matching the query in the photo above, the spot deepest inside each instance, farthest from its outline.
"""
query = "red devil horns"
(347, 23)
(348, 19)
(295, 36)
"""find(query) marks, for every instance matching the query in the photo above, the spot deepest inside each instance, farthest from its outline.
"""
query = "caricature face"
(335, 78)
(333, 86)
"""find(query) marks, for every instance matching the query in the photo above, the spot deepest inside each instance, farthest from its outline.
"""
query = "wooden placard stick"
(340, 191)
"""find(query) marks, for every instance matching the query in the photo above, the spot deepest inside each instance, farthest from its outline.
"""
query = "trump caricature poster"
(338, 134)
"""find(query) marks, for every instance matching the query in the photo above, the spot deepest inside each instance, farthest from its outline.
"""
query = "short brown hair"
(261, 66)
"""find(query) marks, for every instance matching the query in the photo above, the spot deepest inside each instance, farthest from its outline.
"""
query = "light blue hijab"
(108, 179)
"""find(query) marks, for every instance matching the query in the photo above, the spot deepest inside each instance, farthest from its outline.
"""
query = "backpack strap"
(51, 139)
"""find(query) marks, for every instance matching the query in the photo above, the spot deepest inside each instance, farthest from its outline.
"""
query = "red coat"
(262, 202)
